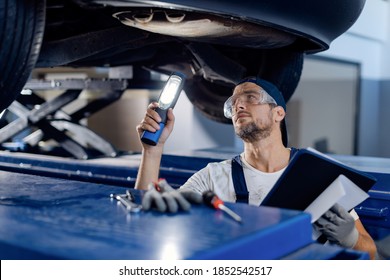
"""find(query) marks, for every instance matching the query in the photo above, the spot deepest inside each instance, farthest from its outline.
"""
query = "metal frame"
(46, 120)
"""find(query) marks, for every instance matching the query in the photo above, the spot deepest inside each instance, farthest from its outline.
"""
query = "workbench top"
(51, 218)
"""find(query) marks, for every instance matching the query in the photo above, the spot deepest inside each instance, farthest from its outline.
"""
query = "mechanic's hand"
(151, 122)
(153, 198)
(338, 226)
(165, 198)
(191, 196)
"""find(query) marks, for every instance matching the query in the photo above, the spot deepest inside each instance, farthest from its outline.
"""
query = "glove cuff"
(351, 239)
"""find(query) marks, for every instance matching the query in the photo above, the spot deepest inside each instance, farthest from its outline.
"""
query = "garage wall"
(322, 111)
(367, 43)
(384, 118)
(117, 122)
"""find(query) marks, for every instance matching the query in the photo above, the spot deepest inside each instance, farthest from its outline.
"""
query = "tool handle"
(151, 138)
(212, 200)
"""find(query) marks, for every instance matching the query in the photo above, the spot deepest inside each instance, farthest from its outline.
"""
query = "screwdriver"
(212, 200)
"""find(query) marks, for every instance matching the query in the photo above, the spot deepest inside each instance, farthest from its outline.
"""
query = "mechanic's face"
(252, 122)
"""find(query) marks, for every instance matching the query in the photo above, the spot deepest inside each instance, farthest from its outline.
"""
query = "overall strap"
(293, 151)
(239, 183)
(242, 194)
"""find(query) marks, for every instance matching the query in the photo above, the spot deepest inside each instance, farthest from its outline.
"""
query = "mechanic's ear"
(279, 113)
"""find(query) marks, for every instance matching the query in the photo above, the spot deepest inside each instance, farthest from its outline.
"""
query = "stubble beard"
(253, 132)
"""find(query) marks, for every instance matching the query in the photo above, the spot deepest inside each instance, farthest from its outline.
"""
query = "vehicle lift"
(46, 120)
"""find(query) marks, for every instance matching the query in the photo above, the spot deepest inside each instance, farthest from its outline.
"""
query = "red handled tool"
(212, 200)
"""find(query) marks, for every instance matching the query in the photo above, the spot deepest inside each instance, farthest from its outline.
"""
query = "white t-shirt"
(217, 176)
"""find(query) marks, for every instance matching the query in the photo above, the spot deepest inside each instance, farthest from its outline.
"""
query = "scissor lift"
(36, 119)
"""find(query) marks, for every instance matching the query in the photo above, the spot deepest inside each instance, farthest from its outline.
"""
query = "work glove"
(166, 199)
(338, 226)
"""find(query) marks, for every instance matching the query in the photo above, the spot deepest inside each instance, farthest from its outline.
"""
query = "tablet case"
(308, 174)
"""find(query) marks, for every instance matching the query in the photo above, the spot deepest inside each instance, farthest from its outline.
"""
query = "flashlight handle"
(163, 113)
(151, 138)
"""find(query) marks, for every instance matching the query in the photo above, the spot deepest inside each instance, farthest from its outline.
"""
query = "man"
(257, 110)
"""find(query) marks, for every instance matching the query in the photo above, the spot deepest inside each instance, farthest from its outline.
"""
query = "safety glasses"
(246, 98)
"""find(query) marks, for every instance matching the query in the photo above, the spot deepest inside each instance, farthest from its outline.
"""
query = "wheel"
(21, 33)
(279, 66)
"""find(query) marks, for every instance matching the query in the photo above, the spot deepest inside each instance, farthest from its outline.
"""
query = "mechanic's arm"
(364, 241)
(151, 155)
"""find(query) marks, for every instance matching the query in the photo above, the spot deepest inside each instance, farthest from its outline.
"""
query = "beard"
(253, 132)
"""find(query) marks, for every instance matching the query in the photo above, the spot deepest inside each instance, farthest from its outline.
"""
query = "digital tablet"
(308, 174)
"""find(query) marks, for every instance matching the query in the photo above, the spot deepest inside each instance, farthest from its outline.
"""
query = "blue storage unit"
(121, 171)
(317, 251)
(375, 211)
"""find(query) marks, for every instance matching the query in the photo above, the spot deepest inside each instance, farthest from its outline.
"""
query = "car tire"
(21, 33)
(281, 67)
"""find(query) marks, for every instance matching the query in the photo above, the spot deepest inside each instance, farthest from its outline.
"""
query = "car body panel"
(320, 22)
(214, 43)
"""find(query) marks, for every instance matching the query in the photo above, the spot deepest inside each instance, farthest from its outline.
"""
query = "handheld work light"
(166, 100)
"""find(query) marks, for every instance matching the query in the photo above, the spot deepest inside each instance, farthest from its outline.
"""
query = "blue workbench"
(54, 218)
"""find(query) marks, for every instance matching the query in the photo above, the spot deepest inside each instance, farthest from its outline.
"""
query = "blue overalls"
(242, 194)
